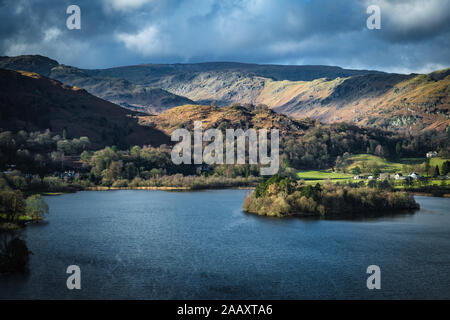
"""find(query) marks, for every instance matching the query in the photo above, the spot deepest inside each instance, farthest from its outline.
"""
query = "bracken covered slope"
(232, 117)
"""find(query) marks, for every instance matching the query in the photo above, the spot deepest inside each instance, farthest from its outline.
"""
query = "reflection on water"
(14, 253)
(198, 245)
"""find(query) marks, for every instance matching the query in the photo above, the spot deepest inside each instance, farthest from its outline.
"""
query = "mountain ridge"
(118, 91)
(327, 93)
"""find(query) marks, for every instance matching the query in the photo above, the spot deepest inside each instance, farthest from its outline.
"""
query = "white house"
(356, 177)
(399, 176)
(370, 177)
(414, 175)
(432, 154)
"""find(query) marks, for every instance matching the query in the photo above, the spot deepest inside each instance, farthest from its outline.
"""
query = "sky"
(414, 34)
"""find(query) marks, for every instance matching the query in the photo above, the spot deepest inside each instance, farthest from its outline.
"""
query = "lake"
(137, 244)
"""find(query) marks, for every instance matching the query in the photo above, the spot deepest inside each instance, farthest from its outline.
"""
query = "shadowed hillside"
(153, 73)
(30, 102)
(119, 91)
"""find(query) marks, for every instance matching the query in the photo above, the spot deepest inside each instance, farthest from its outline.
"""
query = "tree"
(372, 146)
(17, 181)
(356, 170)
(12, 204)
(383, 185)
(36, 206)
(380, 151)
(7, 140)
(64, 146)
(376, 172)
(130, 171)
(398, 149)
(427, 166)
(85, 143)
(115, 169)
(85, 156)
(339, 163)
(14, 255)
(372, 184)
(135, 152)
(436, 171)
(156, 172)
(445, 168)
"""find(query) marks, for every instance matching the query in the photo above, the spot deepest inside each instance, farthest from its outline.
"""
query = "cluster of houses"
(413, 175)
(387, 176)
(397, 176)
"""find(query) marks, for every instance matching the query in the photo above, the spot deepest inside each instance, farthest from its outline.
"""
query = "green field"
(317, 175)
(437, 161)
(429, 183)
(370, 161)
(412, 161)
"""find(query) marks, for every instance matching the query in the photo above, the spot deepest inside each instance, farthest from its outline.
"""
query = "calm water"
(200, 245)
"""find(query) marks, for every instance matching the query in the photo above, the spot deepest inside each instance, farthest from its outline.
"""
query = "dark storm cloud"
(414, 36)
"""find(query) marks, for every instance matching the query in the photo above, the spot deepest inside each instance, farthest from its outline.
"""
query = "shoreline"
(181, 189)
(427, 194)
(102, 188)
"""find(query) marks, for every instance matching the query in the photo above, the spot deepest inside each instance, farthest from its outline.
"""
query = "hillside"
(329, 94)
(387, 101)
(390, 101)
(132, 96)
(32, 102)
(236, 117)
